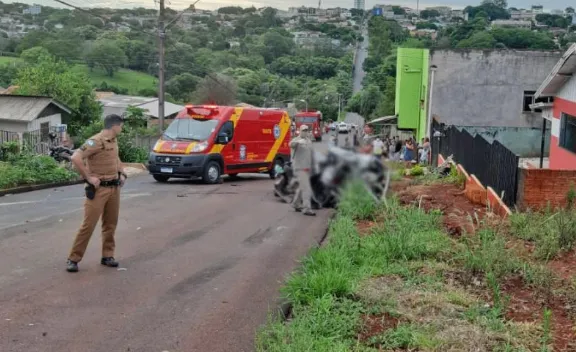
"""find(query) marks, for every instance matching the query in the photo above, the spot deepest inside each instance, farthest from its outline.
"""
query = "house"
(117, 104)
(556, 98)
(21, 113)
(488, 92)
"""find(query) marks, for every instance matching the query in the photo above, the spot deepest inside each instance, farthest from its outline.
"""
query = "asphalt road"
(201, 267)
(359, 74)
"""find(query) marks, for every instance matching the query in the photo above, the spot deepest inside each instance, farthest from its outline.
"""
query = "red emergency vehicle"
(313, 119)
(208, 141)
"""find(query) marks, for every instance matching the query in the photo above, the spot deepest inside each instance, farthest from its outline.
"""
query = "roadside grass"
(406, 285)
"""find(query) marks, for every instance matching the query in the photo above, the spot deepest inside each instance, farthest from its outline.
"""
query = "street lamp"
(306, 102)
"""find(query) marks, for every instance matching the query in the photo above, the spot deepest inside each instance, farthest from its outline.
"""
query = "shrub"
(25, 169)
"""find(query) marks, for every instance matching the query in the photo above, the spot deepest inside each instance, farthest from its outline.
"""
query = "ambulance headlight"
(200, 147)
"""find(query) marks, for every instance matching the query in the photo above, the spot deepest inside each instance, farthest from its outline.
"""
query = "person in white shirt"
(378, 147)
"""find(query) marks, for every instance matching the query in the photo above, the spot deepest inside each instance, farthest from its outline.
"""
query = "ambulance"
(208, 141)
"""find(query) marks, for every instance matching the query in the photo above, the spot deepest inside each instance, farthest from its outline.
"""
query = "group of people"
(396, 149)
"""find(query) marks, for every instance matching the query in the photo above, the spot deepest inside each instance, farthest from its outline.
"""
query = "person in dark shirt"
(397, 149)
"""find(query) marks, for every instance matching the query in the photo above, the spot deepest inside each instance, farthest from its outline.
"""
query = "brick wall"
(537, 187)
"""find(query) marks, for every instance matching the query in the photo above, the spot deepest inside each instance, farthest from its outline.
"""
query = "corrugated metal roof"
(25, 108)
(151, 108)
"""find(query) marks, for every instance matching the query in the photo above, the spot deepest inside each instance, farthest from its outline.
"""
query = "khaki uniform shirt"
(102, 157)
(301, 153)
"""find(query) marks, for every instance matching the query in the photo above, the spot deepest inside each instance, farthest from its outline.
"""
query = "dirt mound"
(460, 215)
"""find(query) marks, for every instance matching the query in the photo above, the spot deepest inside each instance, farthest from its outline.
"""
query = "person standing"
(378, 148)
(104, 175)
(302, 162)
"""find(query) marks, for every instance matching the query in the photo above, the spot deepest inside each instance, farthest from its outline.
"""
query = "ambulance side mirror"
(222, 138)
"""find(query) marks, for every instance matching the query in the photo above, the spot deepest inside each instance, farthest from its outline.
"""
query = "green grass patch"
(400, 275)
(552, 232)
(9, 60)
(133, 81)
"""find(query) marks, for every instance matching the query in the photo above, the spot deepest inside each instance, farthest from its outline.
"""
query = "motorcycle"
(331, 172)
(60, 153)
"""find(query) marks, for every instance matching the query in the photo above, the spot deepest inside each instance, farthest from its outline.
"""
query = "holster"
(90, 191)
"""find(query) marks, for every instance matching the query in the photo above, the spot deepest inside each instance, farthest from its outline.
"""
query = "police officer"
(104, 175)
(302, 162)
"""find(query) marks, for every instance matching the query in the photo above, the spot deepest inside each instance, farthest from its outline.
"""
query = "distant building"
(359, 4)
(511, 23)
(443, 10)
(33, 10)
(480, 89)
(457, 13)
(118, 104)
(522, 15)
(537, 9)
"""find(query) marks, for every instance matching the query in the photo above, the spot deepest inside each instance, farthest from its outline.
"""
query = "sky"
(283, 4)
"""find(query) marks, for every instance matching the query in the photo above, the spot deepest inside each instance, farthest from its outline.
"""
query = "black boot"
(71, 266)
(109, 262)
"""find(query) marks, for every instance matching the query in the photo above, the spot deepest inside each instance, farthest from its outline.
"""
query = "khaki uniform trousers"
(106, 203)
(303, 196)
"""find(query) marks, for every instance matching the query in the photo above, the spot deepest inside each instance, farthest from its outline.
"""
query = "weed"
(326, 324)
(489, 255)
(570, 197)
(417, 170)
(546, 331)
(552, 232)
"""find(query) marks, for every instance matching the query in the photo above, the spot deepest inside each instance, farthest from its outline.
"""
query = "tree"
(53, 78)
(108, 55)
(570, 10)
(429, 14)
(479, 40)
(216, 89)
(35, 54)
(182, 86)
(275, 45)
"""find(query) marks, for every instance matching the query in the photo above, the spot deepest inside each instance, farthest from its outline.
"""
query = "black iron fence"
(492, 163)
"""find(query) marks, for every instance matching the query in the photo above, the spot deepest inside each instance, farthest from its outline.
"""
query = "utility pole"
(161, 52)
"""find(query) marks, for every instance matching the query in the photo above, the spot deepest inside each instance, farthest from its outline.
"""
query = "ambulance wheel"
(272, 171)
(212, 173)
(161, 178)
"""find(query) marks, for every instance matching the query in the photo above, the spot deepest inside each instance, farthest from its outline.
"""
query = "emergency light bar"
(201, 112)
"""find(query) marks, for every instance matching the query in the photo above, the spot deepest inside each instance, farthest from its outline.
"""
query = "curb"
(29, 188)
(140, 166)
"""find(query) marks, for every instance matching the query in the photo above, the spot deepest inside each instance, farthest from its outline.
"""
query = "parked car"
(343, 127)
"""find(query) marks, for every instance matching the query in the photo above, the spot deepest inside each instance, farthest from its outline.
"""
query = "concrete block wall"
(538, 187)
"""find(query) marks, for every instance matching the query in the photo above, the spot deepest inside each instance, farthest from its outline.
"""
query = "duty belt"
(112, 183)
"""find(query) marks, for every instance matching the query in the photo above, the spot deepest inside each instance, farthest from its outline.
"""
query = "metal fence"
(7, 136)
(492, 163)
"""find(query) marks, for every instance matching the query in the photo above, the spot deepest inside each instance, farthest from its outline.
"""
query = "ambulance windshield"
(189, 129)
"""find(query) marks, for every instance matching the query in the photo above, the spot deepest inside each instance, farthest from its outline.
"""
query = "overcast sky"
(283, 4)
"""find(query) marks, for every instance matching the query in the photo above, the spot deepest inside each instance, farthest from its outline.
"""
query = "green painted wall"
(412, 89)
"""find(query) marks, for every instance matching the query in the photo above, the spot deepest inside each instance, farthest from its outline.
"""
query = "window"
(306, 119)
(568, 132)
(528, 99)
(228, 128)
